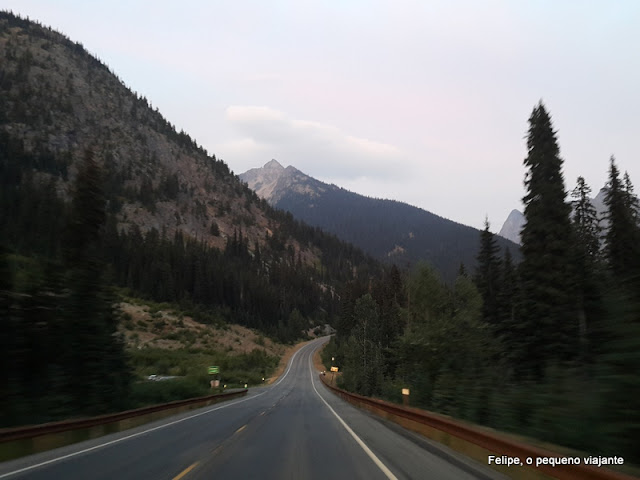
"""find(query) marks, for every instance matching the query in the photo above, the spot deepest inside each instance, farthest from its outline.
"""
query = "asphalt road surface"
(293, 429)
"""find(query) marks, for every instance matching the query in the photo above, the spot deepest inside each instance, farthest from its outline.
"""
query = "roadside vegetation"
(548, 348)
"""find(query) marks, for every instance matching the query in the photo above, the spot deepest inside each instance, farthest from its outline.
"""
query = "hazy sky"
(421, 101)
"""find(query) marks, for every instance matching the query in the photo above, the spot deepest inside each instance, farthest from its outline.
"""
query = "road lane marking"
(240, 429)
(290, 364)
(185, 471)
(388, 473)
(159, 427)
(118, 440)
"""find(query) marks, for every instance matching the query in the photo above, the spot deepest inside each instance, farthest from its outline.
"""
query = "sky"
(425, 102)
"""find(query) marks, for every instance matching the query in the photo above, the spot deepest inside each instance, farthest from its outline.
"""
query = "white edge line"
(290, 364)
(118, 440)
(364, 446)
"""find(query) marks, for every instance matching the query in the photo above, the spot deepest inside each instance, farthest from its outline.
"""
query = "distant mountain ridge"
(387, 229)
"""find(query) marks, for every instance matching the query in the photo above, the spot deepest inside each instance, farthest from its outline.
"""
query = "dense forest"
(391, 231)
(549, 348)
(99, 194)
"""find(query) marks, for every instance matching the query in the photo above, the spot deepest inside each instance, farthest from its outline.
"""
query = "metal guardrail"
(492, 442)
(19, 433)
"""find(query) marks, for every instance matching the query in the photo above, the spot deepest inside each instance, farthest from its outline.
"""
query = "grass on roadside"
(191, 366)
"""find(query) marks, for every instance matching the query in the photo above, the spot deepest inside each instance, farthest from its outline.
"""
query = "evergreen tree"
(8, 333)
(462, 270)
(84, 230)
(549, 328)
(507, 300)
(364, 365)
(622, 239)
(586, 257)
(585, 221)
(388, 292)
(630, 200)
(94, 355)
(487, 276)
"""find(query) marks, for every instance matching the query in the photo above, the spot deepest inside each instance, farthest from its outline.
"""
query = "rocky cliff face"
(272, 182)
(264, 181)
(513, 226)
(58, 102)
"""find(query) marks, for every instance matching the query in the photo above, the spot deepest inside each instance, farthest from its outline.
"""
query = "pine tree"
(98, 375)
(622, 239)
(620, 354)
(88, 216)
(630, 200)
(8, 333)
(364, 366)
(507, 300)
(586, 257)
(487, 276)
(549, 328)
(585, 221)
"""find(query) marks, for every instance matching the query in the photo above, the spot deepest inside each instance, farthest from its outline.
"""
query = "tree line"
(60, 260)
(61, 352)
(548, 347)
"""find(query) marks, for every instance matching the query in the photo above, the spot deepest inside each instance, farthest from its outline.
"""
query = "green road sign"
(213, 370)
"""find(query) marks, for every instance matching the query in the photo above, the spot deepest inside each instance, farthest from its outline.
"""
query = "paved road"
(294, 429)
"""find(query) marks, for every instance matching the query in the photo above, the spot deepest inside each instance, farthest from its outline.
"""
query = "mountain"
(389, 230)
(273, 182)
(513, 226)
(601, 208)
(180, 226)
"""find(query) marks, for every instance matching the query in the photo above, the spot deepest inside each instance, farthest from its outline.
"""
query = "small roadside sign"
(334, 369)
(213, 370)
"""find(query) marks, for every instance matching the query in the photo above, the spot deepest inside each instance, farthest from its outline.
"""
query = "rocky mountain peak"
(273, 166)
(272, 181)
(264, 180)
(513, 226)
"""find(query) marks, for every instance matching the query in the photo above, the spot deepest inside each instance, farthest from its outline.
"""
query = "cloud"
(315, 148)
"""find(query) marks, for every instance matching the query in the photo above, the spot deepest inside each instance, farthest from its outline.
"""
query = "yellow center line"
(185, 471)
(240, 429)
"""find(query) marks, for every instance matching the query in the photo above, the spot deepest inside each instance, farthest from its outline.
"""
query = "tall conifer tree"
(586, 258)
(507, 299)
(622, 239)
(585, 221)
(94, 355)
(488, 275)
(549, 327)
(631, 201)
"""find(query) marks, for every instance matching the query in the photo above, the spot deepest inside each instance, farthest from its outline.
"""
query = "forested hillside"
(391, 231)
(162, 192)
(98, 190)
(549, 348)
